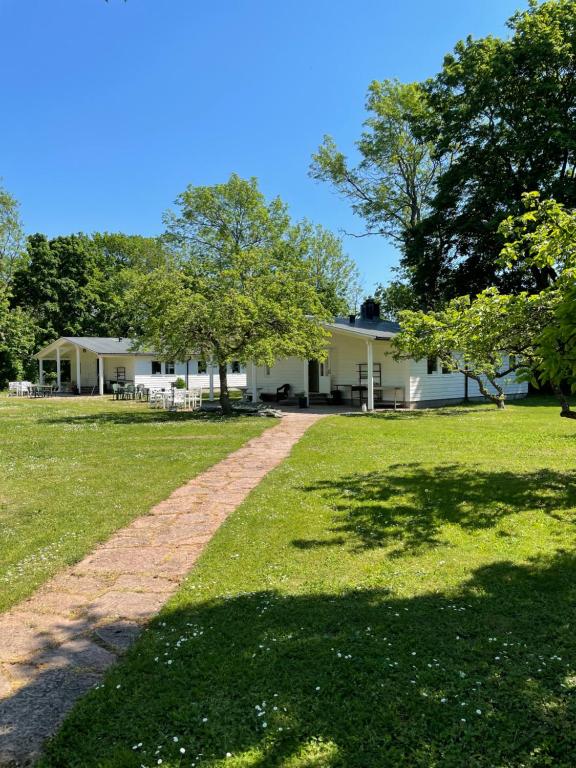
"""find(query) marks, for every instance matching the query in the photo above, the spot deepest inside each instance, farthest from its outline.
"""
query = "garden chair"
(130, 392)
(14, 389)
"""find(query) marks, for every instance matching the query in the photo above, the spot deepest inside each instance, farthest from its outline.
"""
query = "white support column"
(58, 369)
(306, 391)
(370, 381)
(211, 381)
(78, 375)
(100, 375)
(254, 383)
(40, 371)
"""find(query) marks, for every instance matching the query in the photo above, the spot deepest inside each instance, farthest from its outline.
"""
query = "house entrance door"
(313, 376)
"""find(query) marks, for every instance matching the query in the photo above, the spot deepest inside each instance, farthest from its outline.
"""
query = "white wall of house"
(426, 386)
(143, 374)
(341, 367)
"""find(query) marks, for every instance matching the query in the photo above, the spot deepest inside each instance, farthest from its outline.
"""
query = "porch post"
(78, 376)
(370, 376)
(211, 380)
(40, 371)
(100, 375)
(58, 370)
(306, 392)
(254, 383)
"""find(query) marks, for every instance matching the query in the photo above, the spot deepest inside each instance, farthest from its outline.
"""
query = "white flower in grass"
(182, 750)
(478, 711)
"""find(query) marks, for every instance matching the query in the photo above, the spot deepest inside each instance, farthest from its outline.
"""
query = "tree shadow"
(480, 676)
(140, 417)
(409, 504)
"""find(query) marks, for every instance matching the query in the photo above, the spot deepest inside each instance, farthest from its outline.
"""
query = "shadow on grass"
(150, 416)
(409, 504)
(481, 676)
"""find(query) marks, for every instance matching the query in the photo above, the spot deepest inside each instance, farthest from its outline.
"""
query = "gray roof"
(104, 345)
(372, 329)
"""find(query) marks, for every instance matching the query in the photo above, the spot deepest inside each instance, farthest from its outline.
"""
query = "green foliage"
(478, 337)
(12, 241)
(17, 341)
(243, 290)
(395, 297)
(544, 239)
(500, 114)
(391, 185)
(334, 274)
(180, 383)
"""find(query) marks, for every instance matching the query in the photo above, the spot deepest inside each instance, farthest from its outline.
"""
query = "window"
(169, 369)
(156, 367)
(202, 366)
(432, 364)
(445, 369)
(512, 361)
(235, 366)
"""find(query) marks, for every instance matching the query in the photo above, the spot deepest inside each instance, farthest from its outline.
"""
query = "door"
(313, 376)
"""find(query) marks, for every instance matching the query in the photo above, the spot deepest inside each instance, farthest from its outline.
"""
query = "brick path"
(57, 645)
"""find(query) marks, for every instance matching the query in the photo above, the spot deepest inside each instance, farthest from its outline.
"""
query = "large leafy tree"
(56, 286)
(502, 112)
(488, 339)
(241, 291)
(334, 273)
(543, 238)
(391, 185)
(17, 340)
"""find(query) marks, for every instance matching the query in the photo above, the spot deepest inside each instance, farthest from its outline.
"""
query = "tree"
(56, 286)
(488, 339)
(242, 291)
(12, 241)
(334, 273)
(395, 297)
(17, 340)
(500, 114)
(543, 238)
(391, 186)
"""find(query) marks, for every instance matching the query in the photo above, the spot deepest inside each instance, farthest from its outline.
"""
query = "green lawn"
(74, 470)
(400, 593)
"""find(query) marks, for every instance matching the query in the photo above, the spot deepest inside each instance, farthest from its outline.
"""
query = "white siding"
(144, 375)
(344, 355)
(450, 386)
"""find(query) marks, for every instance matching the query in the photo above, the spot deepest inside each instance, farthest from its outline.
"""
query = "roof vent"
(370, 310)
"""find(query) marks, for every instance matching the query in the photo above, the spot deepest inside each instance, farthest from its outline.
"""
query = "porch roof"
(99, 345)
(383, 330)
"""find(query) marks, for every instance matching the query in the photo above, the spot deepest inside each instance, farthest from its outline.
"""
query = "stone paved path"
(57, 645)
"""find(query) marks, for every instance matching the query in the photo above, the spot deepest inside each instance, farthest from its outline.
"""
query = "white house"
(94, 363)
(359, 366)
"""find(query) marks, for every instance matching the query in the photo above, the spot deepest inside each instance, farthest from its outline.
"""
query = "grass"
(401, 592)
(75, 470)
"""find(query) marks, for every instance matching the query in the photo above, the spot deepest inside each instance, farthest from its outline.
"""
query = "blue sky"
(110, 109)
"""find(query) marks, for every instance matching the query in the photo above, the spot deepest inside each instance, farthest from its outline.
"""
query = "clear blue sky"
(110, 109)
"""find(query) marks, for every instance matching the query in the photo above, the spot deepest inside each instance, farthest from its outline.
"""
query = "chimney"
(370, 310)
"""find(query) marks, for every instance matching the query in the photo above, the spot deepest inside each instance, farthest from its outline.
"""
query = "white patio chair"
(13, 388)
(194, 397)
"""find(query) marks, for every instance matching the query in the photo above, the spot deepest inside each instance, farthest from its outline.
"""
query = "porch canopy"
(79, 350)
(365, 333)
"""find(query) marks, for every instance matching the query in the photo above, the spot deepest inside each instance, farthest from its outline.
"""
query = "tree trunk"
(498, 399)
(224, 396)
(564, 404)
